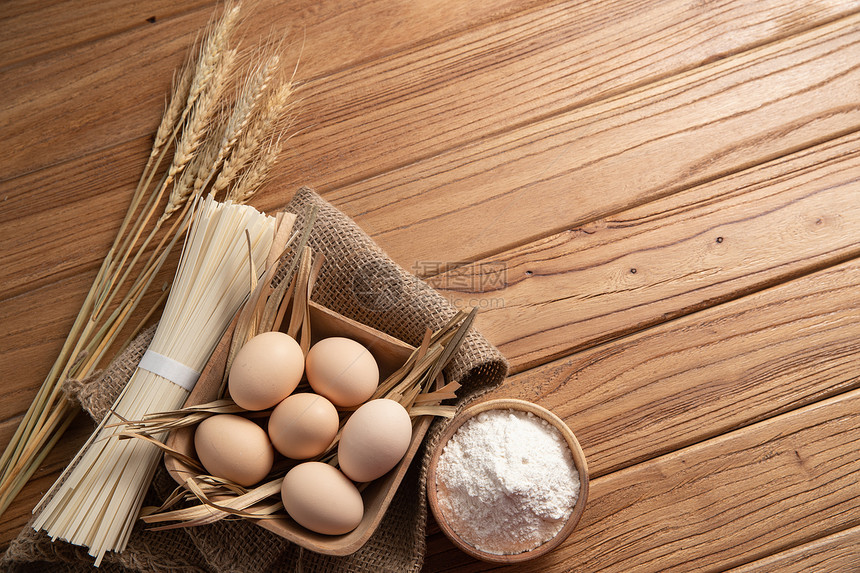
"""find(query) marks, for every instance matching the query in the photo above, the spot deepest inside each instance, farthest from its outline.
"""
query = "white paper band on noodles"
(167, 367)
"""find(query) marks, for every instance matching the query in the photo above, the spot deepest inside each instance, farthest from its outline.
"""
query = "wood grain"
(714, 147)
(26, 36)
(668, 257)
(750, 492)
(585, 164)
(99, 94)
(516, 70)
(835, 553)
(705, 374)
(589, 264)
(718, 504)
(398, 109)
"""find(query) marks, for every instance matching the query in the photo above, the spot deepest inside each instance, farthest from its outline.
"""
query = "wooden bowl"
(390, 354)
(578, 460)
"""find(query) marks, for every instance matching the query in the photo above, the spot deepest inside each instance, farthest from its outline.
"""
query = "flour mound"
(506, 481)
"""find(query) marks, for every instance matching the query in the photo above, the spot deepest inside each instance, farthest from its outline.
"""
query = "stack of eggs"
(343, 374)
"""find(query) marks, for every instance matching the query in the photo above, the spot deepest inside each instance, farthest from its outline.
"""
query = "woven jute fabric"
(361, 282)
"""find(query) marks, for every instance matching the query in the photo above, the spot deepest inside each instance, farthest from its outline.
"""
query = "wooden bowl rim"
(578, 459)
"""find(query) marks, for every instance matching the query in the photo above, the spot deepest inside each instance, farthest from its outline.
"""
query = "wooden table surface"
(655, 203)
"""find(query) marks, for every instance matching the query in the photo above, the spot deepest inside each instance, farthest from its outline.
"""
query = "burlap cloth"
(361, 282)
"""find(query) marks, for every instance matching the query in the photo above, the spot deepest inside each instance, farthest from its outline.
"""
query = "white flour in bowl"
(506, 481)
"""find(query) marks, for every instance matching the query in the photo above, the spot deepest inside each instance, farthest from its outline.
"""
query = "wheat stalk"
(171, 117)
(256, 174)
(188, 123)
(204, 111)
(263, 126)
(211, 53)
(246, 105)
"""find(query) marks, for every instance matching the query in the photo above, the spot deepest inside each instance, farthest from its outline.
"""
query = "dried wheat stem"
(214, 46)
(198, 123)
(118, 319)
(165, 133)
(260, 130)
(37, 412)
(192, 137)
(43, 417)
(210, 80)
(256, 174)
(253, 90)
(184, 100)
(18, 479)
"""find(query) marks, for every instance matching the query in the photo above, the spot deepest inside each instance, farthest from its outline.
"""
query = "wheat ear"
(216, 43)
(263, 126)
(170, 119)
(194, 134)
(253, 177)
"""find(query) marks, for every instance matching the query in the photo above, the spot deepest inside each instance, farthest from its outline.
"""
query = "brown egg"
(266, 370)
(234, 448)
(342, 370)
(322, 499)
(303, 425)
(374, 439)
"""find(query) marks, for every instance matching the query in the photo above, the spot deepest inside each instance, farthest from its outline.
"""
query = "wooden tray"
(390, 354)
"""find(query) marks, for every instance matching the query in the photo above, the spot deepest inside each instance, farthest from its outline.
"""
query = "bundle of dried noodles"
(96, 500)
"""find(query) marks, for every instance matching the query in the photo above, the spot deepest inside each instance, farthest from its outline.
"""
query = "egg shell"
(342, 370)
(374, 439)
(303, 425)
(266, 370)
(319, 497)
(234, 448)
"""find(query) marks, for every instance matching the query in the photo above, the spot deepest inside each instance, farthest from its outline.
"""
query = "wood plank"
(669, 257)
(749, 492)
(794, 190)
(582, 165)
(34, 28)
(516, 71)
(393, 117)
(707, 373)
(57, 204)
(804, 358)
(96, 95)
(717, 504)
(811, 354)
(835, 553)
(791, 183)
